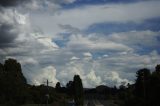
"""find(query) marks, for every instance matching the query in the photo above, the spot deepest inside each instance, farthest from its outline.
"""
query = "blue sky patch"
(79, 3)
(108, 28)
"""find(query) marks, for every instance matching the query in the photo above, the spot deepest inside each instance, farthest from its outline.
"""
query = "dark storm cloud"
(8, 3)
(8, 30)
(7, 35)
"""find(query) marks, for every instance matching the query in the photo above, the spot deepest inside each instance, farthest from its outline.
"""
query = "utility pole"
(47, 95)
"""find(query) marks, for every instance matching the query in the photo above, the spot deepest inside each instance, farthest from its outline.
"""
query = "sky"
(103, 41)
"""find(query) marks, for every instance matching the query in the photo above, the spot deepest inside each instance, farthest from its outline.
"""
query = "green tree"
(2, 88)
(143, 76)
(154, 93)
(14, 82)
(78, 91)
(158, 68)
(70, 88)
(142, 86)
(58, 87)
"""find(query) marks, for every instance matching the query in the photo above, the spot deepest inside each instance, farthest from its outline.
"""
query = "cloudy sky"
(104, 41)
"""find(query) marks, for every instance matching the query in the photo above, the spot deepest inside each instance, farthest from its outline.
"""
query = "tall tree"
(15, 82)
(2, 87)
(70, 88)
(58, 87)
(158, 68)
(155, 87)
(78, 91)
(142, 85)
(141, 82)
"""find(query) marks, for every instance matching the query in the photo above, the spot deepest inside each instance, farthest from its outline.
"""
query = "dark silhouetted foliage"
(70, 88)
(78, 91)
(14, 89)
(13, 83)
(58, 87)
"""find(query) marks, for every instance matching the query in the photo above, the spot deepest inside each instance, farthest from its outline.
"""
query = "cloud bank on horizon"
(104, 41)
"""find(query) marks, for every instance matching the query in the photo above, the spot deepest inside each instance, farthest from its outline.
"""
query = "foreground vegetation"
(14, 89)
(144, 92)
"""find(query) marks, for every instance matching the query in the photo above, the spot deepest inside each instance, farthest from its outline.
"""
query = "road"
(93, 103)
(99, 103)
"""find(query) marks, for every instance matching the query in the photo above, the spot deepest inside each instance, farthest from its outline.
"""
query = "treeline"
(14, 89)
(144, 92)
